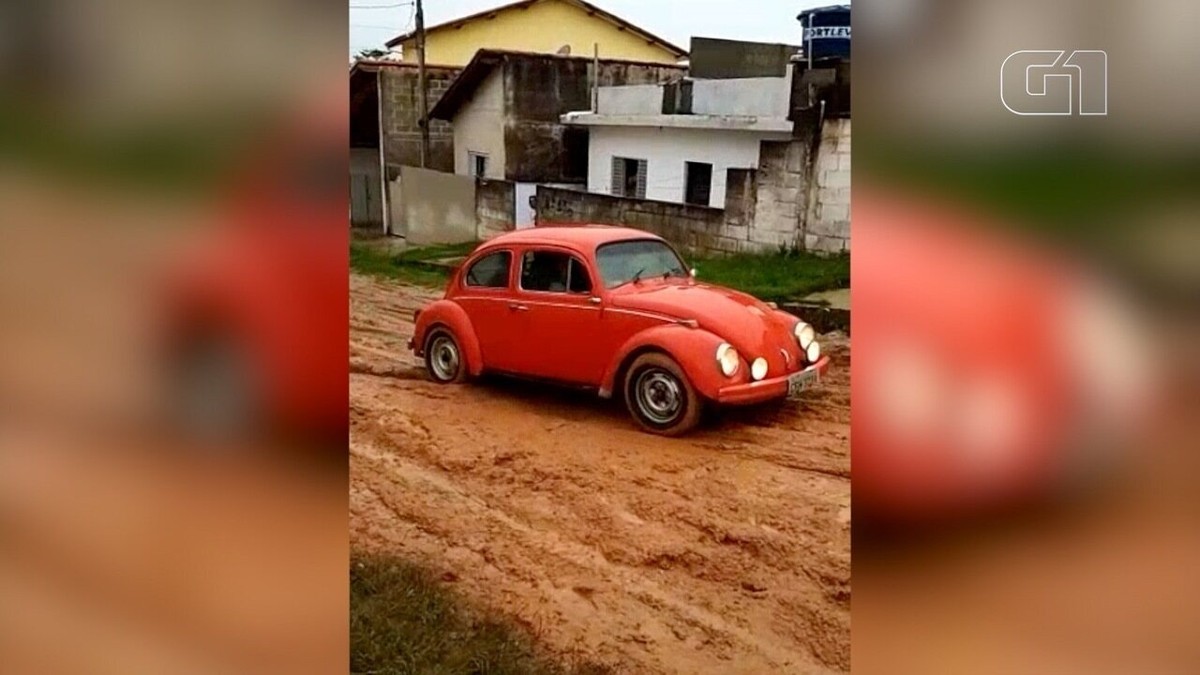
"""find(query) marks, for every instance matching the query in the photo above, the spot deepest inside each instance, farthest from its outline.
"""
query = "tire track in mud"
(727, 550)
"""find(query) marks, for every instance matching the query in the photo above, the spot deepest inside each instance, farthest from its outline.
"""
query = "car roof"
(579, 237)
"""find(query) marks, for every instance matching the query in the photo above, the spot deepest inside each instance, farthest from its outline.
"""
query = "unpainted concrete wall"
(827, 229)
(757, 96)
(538, 91)
(752, 96)
(435, 207)
(494, 207)
(718, 58)
(694, 229)
(401, 115)
(802, 199)
(634, 99)
(781, 194)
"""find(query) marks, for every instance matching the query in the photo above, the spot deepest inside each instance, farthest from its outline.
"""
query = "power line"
(411, 15)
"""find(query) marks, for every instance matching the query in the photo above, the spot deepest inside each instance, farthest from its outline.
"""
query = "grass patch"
(174, 156)
(402, 620)
(779, 276)
(412, 266)
(1069, 188)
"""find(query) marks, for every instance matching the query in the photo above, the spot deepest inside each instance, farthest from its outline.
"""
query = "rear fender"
(694, 349)
(450, 315)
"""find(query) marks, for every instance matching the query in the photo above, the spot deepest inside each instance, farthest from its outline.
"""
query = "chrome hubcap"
(443, 358)
(659, 396)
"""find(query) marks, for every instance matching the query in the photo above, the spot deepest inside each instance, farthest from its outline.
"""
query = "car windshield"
(625, 261)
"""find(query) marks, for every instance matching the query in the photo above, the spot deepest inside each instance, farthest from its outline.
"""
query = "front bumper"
(766, 390)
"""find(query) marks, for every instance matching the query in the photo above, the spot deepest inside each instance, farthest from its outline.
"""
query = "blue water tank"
(826, 32)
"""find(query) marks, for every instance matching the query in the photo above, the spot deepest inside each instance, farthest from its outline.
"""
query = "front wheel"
(443, 358)
(659, 396)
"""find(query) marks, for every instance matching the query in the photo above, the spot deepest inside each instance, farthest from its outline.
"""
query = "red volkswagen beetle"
(614, 309)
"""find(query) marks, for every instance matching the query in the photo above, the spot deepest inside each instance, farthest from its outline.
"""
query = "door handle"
(518, 307)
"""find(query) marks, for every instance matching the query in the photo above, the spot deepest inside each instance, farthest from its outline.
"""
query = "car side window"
(554, 272)
(578, 280)
(490, 271)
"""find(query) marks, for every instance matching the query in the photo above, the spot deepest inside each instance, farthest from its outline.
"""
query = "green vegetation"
(403, 620)
(785, 275)
(414, 266)
(1069, 188)
(159, 155)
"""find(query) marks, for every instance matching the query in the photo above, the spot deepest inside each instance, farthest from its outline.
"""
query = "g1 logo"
(1048, 82)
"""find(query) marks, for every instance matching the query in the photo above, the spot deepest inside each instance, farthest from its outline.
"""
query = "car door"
(487, 297)
(560, 320)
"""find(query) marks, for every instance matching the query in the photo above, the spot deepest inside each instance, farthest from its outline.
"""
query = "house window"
(629, 177)
(698, 188)
(477, 163)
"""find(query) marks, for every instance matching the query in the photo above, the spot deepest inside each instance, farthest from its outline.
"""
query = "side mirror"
(693, 273)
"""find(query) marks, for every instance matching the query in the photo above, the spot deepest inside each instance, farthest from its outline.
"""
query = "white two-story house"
(674, 142)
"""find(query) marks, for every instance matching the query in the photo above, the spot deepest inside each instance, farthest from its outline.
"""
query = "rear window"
(490, 271)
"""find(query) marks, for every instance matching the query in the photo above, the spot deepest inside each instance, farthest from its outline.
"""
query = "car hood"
(750, 325)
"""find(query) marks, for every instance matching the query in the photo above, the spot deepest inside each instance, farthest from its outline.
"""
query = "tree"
(373, 53)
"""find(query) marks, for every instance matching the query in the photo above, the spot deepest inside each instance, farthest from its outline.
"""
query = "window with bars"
(629, 177)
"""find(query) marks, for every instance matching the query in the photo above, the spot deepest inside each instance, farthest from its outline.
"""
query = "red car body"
(591, 338)
(266, 283)
(988, 371)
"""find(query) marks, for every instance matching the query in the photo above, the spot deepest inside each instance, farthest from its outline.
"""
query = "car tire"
(215, 394)
(444, 358)
(660, 397)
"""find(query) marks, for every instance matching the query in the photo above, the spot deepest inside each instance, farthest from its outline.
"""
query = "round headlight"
(727, 359)
(813, 352)
(758, 369)
(805, 335)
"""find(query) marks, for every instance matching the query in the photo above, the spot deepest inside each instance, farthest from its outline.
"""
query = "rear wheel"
(216, 395)
(443, 358)
(659, 396)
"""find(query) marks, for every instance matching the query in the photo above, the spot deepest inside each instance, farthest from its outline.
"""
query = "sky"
(373, 22)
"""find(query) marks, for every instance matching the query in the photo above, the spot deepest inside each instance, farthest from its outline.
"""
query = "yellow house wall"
(544, 27)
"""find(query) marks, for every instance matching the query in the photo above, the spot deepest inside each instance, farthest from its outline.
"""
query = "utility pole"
(595, 77)
(423, 98)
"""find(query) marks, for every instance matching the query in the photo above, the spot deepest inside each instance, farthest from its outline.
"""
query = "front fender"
(449, 314)
(694, 349)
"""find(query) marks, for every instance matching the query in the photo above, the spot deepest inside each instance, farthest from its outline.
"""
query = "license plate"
(801, 381)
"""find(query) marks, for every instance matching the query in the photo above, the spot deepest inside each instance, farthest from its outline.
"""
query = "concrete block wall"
(494, 207)
(401, 115)
(781, 196)
(435, 207)
(827, 229)
(696, 230)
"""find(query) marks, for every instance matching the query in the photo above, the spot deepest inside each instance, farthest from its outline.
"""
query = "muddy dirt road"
(725, 551)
